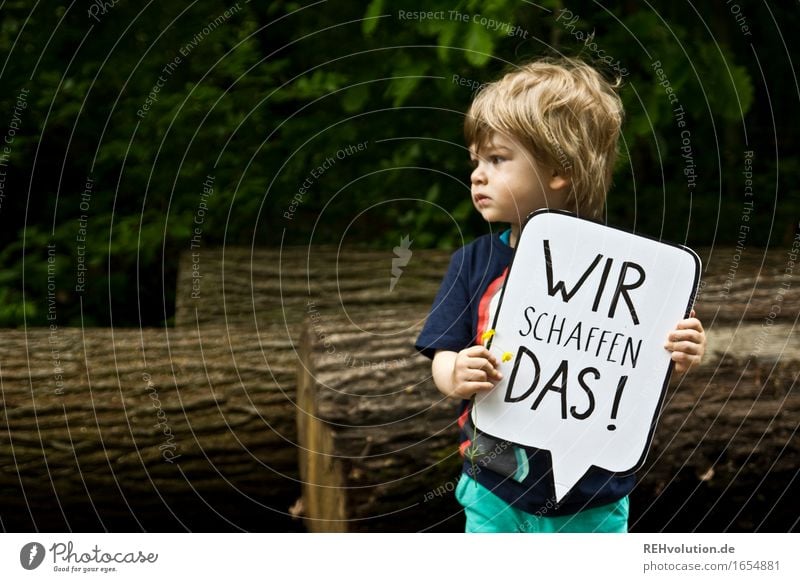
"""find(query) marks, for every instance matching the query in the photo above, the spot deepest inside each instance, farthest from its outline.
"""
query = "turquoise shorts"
(487, 513)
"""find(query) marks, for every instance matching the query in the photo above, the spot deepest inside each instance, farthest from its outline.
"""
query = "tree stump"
(147, 428)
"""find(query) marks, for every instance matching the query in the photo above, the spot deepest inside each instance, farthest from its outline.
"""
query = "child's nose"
(478, 176)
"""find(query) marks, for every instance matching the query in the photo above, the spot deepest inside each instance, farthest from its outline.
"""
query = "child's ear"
(558, 181)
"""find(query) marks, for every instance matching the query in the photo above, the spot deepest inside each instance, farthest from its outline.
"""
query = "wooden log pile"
(290, 379)
(746, 287)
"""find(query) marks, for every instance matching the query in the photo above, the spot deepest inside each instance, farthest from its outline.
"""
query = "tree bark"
(123, 418)
(727, 436)
(238, 285)
(731, 411)
(747, 286)
(263, 286)
(378, 443)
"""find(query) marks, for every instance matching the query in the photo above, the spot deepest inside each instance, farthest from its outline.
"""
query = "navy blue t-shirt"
(521, 476)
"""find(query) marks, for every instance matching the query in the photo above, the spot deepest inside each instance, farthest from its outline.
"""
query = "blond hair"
(566, 114)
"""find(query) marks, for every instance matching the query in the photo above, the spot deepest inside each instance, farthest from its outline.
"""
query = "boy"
(543, 136)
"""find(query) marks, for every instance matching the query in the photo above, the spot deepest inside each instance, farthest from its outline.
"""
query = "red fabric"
(483, 306)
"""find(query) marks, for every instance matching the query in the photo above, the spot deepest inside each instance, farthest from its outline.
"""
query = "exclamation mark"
(617, 397)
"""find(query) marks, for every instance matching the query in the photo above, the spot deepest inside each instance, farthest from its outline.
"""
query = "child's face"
(508, 183)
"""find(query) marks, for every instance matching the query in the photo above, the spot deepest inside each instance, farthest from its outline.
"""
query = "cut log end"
(373, 443)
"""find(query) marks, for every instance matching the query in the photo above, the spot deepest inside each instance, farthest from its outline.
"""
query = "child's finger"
(482, 352)
(486, 366)
(477, 363)
(690, 348)
(479, 386)
(690, 323)
(493, 371)
(474, 375)
(691, 335)
(684, 361)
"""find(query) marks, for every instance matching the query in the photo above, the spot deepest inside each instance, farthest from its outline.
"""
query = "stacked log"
(352, 465)
(744, 287)
(132, 425)
(276, 347)
(262, 286)
(240, 285)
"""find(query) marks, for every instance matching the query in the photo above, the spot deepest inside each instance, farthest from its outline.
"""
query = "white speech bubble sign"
(585, 312)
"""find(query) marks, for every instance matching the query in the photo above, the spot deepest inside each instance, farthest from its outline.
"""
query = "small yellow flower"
(489, 334)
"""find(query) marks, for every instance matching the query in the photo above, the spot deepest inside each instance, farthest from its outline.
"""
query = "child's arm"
(462, 374)
(687, 342)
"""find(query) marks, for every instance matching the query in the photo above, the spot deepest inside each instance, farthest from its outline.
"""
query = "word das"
(559, 383)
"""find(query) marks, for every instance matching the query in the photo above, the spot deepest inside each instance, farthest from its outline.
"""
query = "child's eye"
(493, 160)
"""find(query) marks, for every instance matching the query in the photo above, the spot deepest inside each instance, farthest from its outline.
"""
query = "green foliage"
(269, 102)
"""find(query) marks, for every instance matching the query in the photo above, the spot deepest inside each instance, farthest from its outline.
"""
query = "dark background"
(262, 95)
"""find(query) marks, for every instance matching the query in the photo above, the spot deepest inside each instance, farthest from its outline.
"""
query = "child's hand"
(474, 370)
(687, 342)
